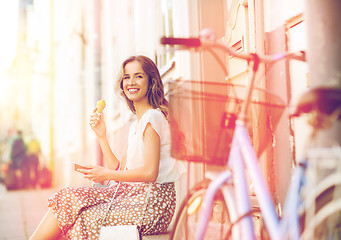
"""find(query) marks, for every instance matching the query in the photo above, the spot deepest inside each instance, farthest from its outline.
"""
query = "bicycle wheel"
(219, 227)
(187, 220)
(321, 218)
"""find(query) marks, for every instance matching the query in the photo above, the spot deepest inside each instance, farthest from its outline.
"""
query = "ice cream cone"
(100, 106)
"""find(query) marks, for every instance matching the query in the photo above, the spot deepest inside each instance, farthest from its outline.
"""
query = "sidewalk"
(21, 212)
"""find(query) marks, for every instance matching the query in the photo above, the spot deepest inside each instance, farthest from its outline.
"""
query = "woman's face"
(135, 82)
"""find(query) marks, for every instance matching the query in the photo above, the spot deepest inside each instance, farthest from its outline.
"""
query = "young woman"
(78, 213)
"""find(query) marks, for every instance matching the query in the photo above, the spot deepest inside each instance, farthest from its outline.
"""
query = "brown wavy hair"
(155, 93)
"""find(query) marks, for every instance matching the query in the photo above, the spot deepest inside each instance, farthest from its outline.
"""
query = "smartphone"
(77, 166)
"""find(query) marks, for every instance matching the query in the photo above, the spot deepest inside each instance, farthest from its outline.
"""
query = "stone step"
(157, 237)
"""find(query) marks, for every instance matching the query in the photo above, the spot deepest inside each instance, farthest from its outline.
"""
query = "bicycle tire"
(185, 229)
(325, 222)
(187, 219)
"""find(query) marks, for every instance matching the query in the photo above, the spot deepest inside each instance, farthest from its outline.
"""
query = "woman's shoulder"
(156, 118)
(153, 113)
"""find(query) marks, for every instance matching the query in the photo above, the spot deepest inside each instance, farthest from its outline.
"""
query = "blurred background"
(58, 58)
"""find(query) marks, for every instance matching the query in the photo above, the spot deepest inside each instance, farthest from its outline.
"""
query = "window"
(167, 30)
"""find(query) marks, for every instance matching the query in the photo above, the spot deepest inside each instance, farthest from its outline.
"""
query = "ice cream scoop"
(100, 106)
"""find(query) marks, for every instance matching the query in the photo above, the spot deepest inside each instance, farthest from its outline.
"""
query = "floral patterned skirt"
(80, 211)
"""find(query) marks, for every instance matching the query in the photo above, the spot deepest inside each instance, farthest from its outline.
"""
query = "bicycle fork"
(241, 192)
(246, 155)
(241, 196)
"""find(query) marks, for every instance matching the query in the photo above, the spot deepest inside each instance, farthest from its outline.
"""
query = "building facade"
(81, 45)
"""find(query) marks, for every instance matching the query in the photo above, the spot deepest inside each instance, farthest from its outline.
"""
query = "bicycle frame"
(242, 156)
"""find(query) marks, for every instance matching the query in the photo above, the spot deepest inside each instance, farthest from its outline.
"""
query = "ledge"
(157, 237)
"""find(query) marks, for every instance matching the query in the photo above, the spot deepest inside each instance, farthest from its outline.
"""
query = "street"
(21, 211)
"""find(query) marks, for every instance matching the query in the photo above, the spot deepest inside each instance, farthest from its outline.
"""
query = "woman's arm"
(109, 157)
(97, 124)
(147, 173)
(124, 160)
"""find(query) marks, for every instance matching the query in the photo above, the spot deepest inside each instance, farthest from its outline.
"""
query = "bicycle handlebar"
(188, 42)
(209, 41)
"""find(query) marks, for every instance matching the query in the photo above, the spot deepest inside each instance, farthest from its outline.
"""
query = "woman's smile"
(133, 90)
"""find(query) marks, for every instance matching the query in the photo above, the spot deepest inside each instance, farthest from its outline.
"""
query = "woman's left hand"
(95, 173)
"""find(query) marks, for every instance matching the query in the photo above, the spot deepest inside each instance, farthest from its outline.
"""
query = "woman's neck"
(141, 109)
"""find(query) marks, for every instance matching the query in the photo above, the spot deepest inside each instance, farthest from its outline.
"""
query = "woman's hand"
(97, 124)
(95, 173)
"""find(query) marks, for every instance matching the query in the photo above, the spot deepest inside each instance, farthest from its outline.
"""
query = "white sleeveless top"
(170, 170)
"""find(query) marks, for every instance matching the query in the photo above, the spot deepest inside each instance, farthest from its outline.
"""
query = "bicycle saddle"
(322, 99)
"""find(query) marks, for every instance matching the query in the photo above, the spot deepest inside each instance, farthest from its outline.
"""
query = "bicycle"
(227, 193)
